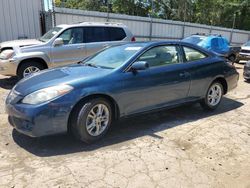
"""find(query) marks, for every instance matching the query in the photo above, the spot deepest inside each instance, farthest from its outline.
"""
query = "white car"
(244, 54)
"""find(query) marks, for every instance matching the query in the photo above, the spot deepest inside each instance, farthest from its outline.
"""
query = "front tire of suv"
(28, 68)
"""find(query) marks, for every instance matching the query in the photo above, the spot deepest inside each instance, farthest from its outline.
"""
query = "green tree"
(215, 12)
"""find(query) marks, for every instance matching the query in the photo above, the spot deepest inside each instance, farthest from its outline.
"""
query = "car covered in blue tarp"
(215, 43)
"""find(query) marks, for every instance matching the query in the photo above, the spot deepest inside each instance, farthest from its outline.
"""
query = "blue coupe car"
(118, 82)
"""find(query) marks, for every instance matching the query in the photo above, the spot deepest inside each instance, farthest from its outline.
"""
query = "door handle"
(184, 74)
(80, 47)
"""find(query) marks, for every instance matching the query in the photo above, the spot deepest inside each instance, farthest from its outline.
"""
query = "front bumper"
(243, 57)
(8, 67)
(40, 120)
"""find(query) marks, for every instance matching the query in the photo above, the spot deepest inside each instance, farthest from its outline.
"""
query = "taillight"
(133, 39)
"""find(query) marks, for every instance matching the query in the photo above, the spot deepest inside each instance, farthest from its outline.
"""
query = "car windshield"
(247, 43)
(194, 39)
(113, 57)
(51, 33)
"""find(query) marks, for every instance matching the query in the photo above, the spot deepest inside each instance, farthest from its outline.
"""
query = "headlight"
(6, 54)
(47, 94)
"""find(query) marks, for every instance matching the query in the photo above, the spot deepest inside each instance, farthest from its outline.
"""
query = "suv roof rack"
(208, 34)
(101, 23)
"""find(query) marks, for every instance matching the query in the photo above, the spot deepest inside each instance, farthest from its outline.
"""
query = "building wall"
(19, 19)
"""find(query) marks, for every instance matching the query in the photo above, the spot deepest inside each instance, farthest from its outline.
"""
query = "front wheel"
(91, 120)
(213, 96)
(28, 68)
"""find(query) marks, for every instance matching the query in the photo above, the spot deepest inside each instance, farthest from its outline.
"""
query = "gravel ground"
(182, 147)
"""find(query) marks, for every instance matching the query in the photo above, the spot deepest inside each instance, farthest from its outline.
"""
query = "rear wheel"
(213, 96)
(91, 120)
(28, 68)
(232, 58)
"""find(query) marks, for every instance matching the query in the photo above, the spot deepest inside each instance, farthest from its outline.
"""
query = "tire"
(31, 66)
(232, 58)
(83, 117)
(210, 102)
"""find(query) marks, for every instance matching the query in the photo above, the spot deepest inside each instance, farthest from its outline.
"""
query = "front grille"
(245, 51)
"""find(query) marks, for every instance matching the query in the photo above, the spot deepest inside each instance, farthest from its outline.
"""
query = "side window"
(96, 34)
(72, 36)
(192, 54)
(116, 34)
(161, 55)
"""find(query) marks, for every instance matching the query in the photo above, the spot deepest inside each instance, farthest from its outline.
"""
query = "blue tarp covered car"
(215, 43)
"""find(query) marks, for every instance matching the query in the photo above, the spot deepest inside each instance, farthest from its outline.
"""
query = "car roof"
(155, 43)
(149, 44)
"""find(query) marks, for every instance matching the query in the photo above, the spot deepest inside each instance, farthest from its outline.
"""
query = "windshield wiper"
(41, 40)
(90, 65)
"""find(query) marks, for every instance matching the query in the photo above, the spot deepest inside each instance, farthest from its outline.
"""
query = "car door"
(199, 66)
(73, 49)
(165, 82)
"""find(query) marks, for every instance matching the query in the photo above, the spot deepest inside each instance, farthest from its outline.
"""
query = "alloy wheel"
(97, 119)
(214, 94)
(30, 70)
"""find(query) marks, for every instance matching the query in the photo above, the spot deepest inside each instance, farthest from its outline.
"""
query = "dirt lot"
(182, 147)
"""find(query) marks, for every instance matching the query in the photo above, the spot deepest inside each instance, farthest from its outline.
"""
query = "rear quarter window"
(96, 34)
(116, 34)
(193, 54)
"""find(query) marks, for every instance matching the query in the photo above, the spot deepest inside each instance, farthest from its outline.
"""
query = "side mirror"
(139, 65)
(58, 42)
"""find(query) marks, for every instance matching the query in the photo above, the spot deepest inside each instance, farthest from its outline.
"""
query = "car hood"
(73, 75)
(19, 43)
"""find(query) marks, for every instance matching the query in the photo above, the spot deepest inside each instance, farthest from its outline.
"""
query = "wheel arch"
(111, 100)
(36, 59)
(223, 82)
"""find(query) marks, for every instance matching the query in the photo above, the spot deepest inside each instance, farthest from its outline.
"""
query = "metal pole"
(107, 11)
(231, 34)
(150, 28)
(184, 24)
(151, 20)
(211, 28)
(53, 13)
